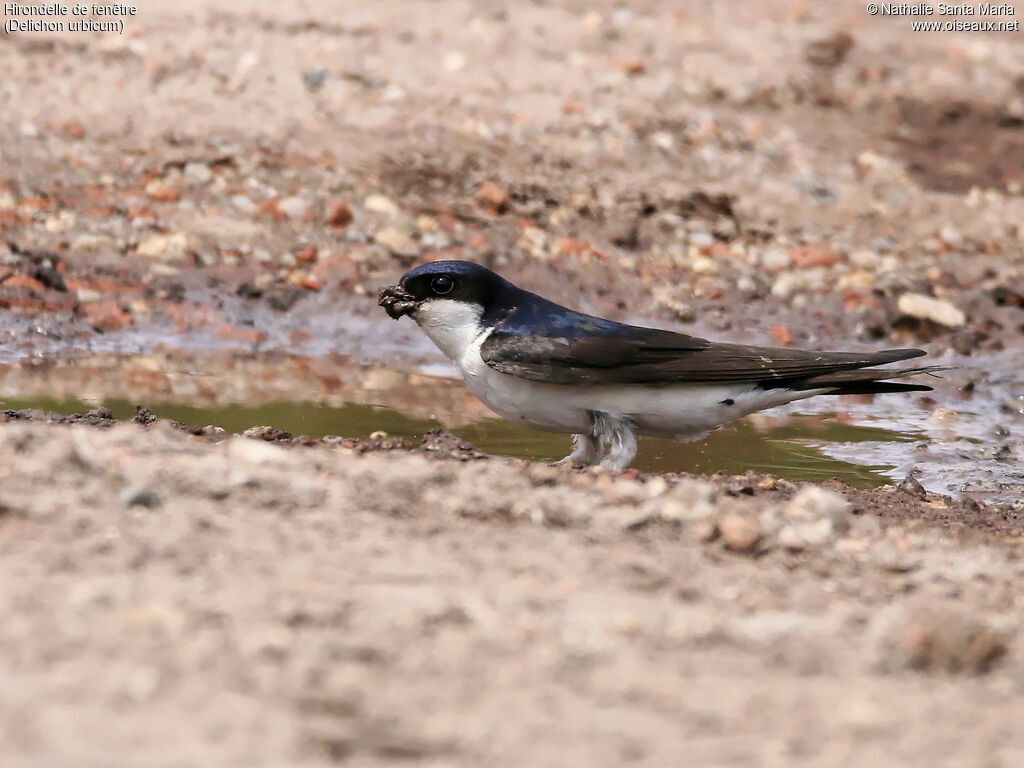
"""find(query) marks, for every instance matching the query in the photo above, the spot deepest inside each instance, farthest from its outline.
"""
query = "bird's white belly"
(680, 412)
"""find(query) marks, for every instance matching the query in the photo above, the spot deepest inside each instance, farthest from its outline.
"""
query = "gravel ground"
(176, 601)
(225, 187)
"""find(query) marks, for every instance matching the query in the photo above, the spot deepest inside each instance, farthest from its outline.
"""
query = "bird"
(537, 363)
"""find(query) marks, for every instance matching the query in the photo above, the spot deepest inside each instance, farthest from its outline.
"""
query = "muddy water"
(359, 376)
(791, 448)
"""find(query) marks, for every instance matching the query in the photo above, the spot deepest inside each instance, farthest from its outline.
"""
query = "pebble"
(776, 259)
(339, 214)
(392, 93)
(243, 203)
(493, 197)
(152, 246)
(140, 496)
(314, 78)
(381, 204)
(802, 536)
(943, 416)
(454, 61)
(198, 174)
(939, 311)
(88, 242)
(172, 247)
(396, 241)
(912, 487)
(865, 259)
(740, 533)
(936, 639)
(702, 265)
(785, 285)
(162, 192)
(294, 207)
(813, 503)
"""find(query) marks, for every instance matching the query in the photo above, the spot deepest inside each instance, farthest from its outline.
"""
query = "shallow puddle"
(789, 448)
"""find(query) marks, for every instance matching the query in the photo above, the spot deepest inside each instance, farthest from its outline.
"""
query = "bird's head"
(429, 285)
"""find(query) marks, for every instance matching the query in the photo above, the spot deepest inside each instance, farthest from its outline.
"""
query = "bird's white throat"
(453, 326)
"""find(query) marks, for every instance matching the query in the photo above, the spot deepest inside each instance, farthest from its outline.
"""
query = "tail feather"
(867, 382)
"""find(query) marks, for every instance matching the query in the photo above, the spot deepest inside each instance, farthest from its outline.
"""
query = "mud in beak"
(396, 301)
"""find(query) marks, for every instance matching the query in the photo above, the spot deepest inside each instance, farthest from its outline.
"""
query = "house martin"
(540, 364)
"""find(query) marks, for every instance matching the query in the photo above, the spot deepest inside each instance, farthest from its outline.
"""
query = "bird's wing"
(581, 350)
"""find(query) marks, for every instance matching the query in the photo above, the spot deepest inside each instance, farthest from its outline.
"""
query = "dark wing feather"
(570, 348)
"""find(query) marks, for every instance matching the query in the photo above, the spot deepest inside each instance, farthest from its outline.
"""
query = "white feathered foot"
(609, 433)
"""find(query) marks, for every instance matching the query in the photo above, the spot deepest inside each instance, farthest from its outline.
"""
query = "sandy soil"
(172, 601)
(233, 183)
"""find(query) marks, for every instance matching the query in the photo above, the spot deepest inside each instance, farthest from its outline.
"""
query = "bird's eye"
(442, 284)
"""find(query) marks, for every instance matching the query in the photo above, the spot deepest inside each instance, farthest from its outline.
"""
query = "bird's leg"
(615, 434)
(586, 451)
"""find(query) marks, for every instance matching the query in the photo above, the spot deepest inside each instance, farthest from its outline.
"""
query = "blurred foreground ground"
(202, 210)
(172, 601)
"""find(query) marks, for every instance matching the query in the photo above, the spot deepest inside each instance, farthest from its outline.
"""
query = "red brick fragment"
(106, 314)
(783, 335)
(24, 281)
(244, 335)
(339, 215)
(272, 208)
(493, 197)
(813, 255)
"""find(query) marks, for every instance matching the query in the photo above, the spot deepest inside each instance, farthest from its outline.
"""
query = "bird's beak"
(397, 301)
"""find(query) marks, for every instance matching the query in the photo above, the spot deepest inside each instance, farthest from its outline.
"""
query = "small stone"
(935, 639)
(493, 197)
(786, 285)
(162, 192)
(314, 78)
(454, 61)
(339, 215)
(740, 533)
(381, 204)
(140, 496)
(912, 487)
(829, 52)
(702, 265)
(257, 450)
(926, 308)
(392, 93)
(198, 174)
(951, 235)
(294, 207)
(634, 66)
(814, 255)
(783, 335)
(396, 241)
(802, 536)
(814, 503)
(173, 247)
(775, 259)
(106, 315)
(865, 259)
(705, 530)
(243, 203)
(943, 416)
(267, 433)
(152, 246)
(100, 412)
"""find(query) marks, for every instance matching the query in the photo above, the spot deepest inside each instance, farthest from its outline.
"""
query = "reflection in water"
(789, 449)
